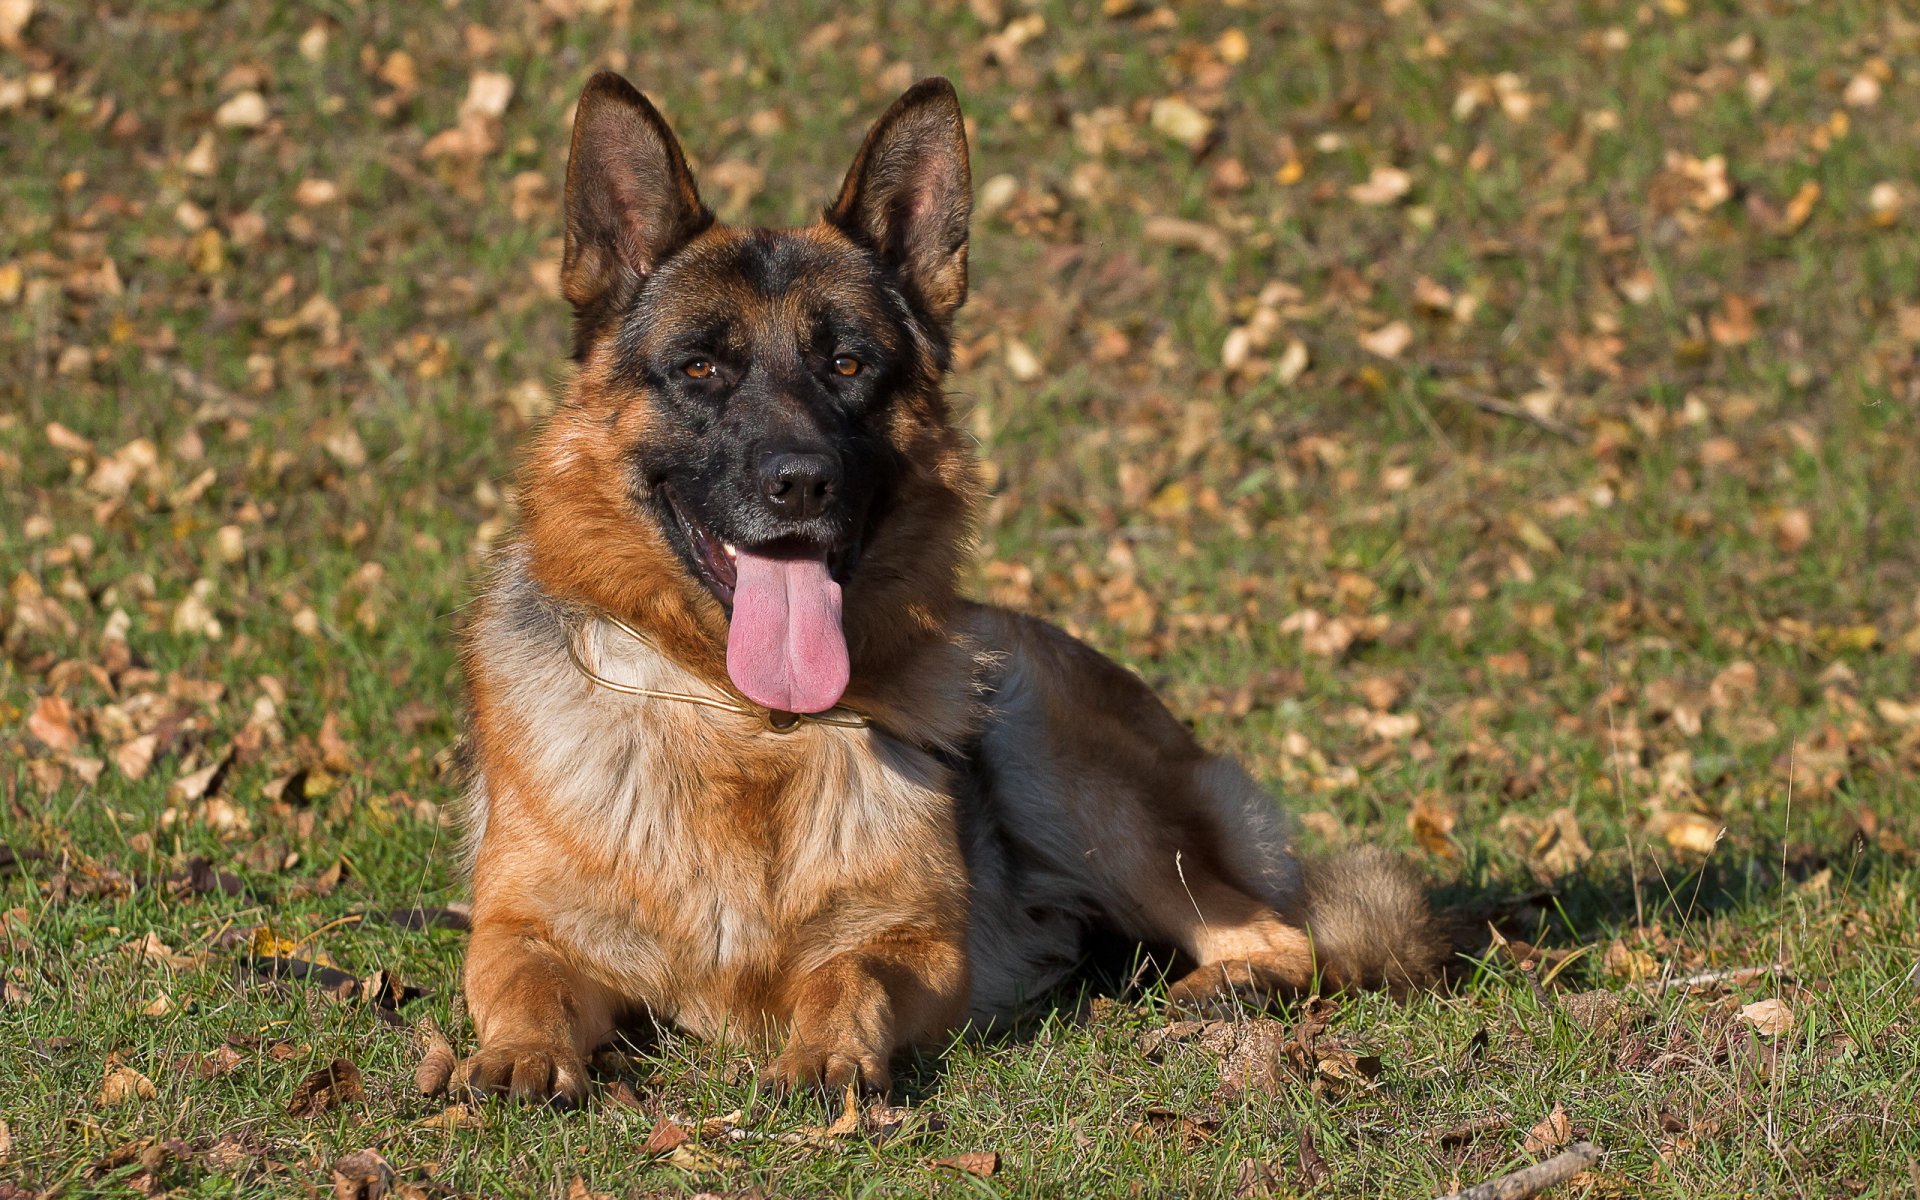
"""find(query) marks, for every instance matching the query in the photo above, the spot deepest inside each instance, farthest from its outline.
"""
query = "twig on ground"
(1504, 408)
(1731, 975)
(1531, 1181)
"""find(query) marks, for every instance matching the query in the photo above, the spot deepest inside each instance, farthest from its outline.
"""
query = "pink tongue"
(785, 649)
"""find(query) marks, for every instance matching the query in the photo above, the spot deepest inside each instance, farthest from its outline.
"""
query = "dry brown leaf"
(1896, 712)
(362, 1175)
(1188, 235)
(244, 110)
(1629, 963)
(1770, 1017)
(488, 94)
(326, 1089)
(124, 1085)
(1432, 827)
(14, 16)
(667, 1135)
(1181, 121)
(1800, 208)
(1560, 848)
(1792, 529)
(1022, 363)
(1389, 341)
(151, 949)
(696, 1160)
(135, 755)
(975, 1162)
(52, 722)
(1551, 1133)
(1385, 184)
(454, 1116)
(315, 193)
(1688, 831)
(578, 1190)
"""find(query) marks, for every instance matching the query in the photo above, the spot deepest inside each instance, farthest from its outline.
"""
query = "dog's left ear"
(909, 195)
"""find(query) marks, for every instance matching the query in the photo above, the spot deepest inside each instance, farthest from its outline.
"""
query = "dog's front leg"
(905, 987)
(537, 1017)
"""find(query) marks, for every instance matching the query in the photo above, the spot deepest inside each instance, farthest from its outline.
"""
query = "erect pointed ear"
(908, 196)
(630, 197)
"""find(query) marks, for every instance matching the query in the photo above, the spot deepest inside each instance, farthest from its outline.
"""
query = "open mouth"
(715, 560)
(786, 649)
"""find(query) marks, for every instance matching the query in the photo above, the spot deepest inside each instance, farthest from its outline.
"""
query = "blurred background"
(1495, 421)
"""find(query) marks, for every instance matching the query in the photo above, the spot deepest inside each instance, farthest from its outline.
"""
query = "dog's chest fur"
(678, 852)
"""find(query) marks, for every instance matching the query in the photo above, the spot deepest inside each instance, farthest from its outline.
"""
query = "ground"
(1494, 421)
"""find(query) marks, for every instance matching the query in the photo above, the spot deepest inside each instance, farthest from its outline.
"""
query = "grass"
(1679, 598)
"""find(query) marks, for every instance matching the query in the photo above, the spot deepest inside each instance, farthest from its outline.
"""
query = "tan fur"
(836, 895)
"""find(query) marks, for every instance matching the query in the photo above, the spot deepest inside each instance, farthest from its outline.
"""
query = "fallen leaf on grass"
(123, 1085)
(1389, 341)
(1188, 235)
(1770, 1017)
(14, 16)
(1551, 1133)
(1689, 831)
(975, 1162)
(696, 1161)
(362, 1175)
(846, 1124)
(247, 110)
(1181, 121)
(455, 1116)
(326, 1089)
(1384, 185)
(52, 722)
(151, 949)
(222, 1061)
(1313, 1168)
(1629, 963)
(668, 1135)
(578, 1190)
(1432, 827)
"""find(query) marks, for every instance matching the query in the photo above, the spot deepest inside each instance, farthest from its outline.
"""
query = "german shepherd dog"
(743, 758)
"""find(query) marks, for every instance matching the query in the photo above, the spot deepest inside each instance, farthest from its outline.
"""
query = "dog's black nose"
(799, 484)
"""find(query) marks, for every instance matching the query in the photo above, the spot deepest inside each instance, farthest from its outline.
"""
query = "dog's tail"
(1371, 926)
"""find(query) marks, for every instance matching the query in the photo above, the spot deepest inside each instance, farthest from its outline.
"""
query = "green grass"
(1563, 615)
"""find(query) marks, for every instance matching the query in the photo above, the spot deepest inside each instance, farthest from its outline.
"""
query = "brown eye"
(699, 368)
(846, 364)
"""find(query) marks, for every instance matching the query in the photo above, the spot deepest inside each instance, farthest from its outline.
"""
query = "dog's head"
(756, 461)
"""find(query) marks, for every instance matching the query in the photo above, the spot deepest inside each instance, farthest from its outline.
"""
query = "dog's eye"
(699, 368)
(846, 364)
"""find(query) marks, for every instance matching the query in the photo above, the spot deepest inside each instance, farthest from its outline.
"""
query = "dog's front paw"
(804, 1066)
(538, 1073)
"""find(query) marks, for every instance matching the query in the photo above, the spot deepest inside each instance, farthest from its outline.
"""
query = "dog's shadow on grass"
(1582, 908)
(1652, 889)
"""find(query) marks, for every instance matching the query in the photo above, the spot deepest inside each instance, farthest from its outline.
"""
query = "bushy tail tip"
(1371, 925)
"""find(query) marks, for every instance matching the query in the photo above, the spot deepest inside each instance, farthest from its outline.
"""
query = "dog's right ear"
(630, 202)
